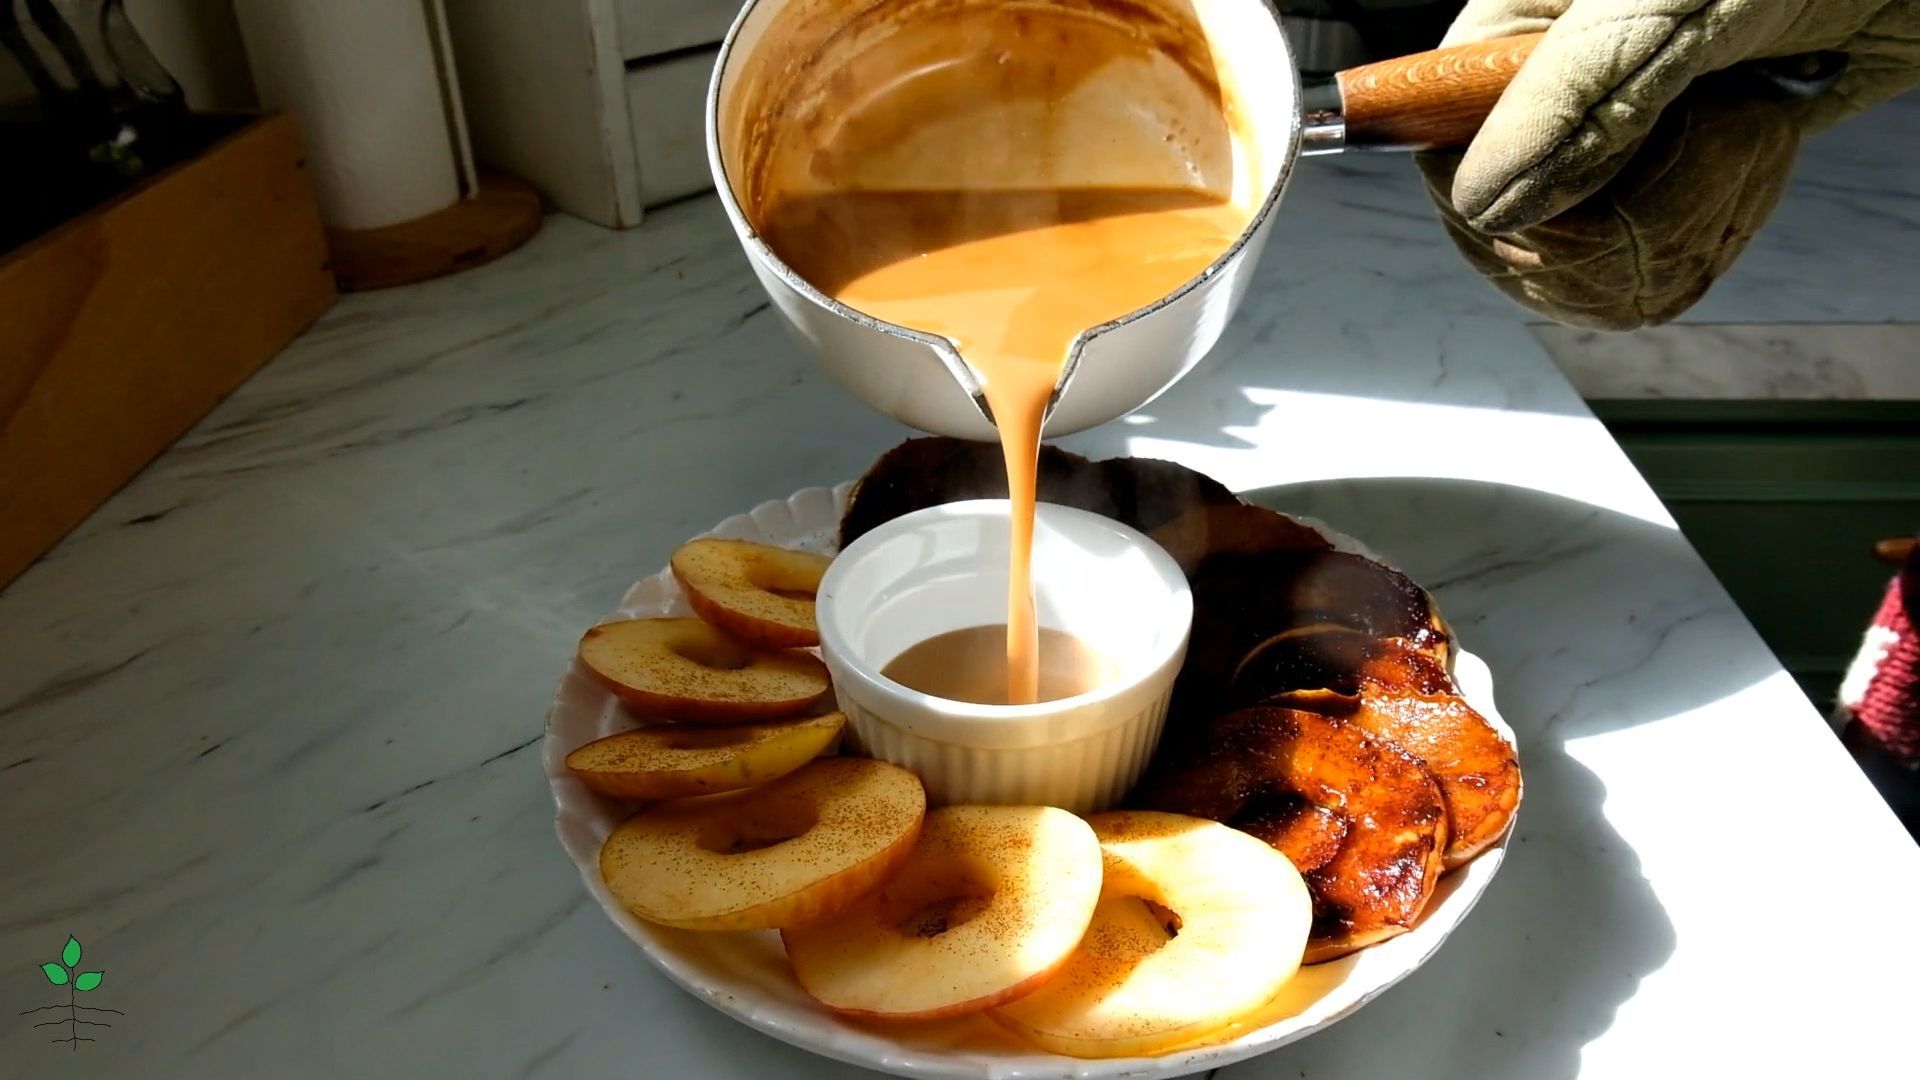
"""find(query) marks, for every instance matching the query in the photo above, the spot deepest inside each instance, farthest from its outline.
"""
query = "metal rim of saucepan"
(1289, 154)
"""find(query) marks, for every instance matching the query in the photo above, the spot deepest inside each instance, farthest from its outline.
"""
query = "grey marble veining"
(1752, 362)
(269, 719)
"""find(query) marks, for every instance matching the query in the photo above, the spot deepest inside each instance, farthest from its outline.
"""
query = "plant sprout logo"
(76, 982)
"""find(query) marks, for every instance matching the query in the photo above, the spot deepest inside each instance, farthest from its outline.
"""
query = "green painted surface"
(1784, 501)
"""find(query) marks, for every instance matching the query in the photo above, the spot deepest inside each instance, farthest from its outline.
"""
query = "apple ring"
(990, 904)
(678, 761)
(760, 594)
(683, 669)
(799, 849)
(1197, 926)
(1281, 774)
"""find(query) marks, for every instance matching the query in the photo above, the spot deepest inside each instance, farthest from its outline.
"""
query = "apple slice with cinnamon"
(799, 849)
(990, 904)
(1329, 794)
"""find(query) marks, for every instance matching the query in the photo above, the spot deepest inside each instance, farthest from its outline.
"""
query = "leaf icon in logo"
(56, 974)
(87, 980)
(71, 954)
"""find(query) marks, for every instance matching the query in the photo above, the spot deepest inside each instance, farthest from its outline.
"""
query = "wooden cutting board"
(122, 328)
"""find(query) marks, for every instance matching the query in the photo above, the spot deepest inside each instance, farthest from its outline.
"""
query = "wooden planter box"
(123, 327)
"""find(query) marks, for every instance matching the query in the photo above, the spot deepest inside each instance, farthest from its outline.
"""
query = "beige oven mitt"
(1637, 151)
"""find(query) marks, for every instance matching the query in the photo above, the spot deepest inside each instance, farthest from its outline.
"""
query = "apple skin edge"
(649, 768)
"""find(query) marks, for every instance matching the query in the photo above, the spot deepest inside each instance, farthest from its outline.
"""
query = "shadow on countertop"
(1587, 630)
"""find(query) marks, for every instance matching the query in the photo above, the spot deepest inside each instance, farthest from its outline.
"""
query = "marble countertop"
(269, 720)
(1758, 361)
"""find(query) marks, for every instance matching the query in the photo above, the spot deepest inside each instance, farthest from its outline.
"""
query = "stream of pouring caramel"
(1015, 259)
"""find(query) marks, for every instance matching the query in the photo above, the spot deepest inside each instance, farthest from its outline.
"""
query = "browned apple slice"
(1264, 769)
(1148, 493)
(1405, 697)
(1336, 659)
(1214, 529)
(1250, 598)
(1142, 492)
(935, 470)
(1242, 600)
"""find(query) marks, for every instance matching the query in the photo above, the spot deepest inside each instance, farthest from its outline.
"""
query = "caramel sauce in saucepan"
(1006, 177)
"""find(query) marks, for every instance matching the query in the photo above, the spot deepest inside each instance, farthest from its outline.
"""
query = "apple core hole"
(718, 655)
(1168, 918)
(760, 824)
(936, 900)
(1128, 928)
(706, 738)
(784, 582)
(944, 914)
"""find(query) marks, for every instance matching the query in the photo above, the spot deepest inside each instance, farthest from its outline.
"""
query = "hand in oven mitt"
(1644, 142)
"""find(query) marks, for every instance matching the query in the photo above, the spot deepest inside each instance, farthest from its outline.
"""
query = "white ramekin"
(945, 568)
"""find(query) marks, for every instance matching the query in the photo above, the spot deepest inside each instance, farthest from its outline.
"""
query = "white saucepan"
(1426, 100)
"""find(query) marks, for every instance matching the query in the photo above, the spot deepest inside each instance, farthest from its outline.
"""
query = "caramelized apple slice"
(1210, 530)
(1249, 598)
(1242, 600)
(1336, 659)
(936, 469)
(1262, 769)
(1404, 697)
(1148, 492)
(1141, 492)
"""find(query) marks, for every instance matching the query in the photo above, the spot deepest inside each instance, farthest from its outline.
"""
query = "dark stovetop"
(1331, 34)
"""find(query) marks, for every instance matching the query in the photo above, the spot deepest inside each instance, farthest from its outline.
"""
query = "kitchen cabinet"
(598, 103)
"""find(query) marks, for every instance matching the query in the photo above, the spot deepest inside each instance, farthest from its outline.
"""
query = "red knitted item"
(1882, 692)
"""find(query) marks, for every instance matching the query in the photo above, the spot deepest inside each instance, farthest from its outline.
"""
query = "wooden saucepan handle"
(1428, 100)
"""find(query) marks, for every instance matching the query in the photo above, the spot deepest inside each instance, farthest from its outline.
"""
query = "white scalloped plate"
(746, 975)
